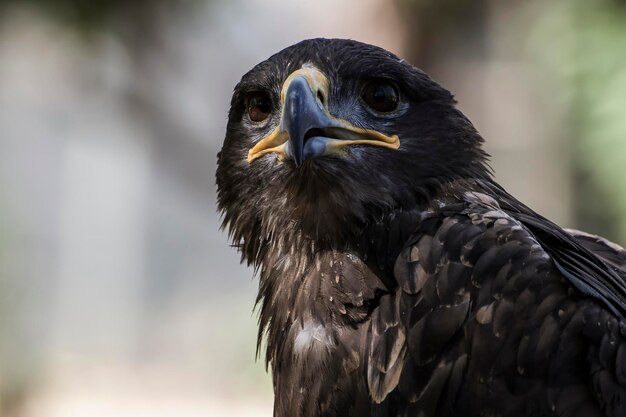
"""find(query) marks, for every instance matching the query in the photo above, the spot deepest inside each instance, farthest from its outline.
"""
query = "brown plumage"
(397, 278)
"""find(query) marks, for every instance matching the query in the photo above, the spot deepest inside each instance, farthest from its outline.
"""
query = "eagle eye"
(259, 106)
(381, 95)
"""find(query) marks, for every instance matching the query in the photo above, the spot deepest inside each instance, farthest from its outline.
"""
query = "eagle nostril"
(320, 96)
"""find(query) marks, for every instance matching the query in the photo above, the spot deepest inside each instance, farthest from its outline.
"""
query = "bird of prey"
(397, 278)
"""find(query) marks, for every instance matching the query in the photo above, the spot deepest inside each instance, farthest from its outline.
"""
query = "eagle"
(396, 276)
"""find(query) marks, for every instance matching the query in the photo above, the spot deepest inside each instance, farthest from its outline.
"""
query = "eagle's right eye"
(259, 106)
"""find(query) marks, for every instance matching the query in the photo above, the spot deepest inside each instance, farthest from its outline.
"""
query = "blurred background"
(119, 296)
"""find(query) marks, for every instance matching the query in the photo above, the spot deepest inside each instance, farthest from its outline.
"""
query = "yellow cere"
(314, 77)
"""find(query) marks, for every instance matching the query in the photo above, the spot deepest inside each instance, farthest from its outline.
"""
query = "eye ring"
(258, 106)
(381, 95)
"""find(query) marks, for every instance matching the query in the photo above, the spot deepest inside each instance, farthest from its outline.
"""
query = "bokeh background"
(119, 296)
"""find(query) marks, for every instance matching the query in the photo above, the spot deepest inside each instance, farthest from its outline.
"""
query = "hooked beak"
(307, 129)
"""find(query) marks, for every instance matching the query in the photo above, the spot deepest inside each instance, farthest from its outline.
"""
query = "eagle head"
(327, 136)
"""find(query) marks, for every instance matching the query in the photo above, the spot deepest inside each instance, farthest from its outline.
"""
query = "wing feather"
(492, 306)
